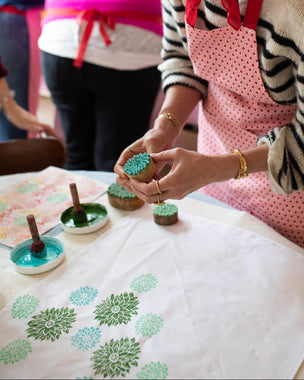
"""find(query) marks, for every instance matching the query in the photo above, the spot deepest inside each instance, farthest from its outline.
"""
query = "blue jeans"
(101, 110)
(14, 51)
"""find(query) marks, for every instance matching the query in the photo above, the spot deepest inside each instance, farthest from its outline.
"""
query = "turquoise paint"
(23, 257)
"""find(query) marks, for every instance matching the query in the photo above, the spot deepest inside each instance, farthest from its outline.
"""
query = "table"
(196, 205)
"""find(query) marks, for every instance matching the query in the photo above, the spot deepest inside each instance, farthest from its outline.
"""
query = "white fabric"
(131, 48)
(231, 301)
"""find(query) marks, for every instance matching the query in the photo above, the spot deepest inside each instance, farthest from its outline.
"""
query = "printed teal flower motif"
(28, 188)
(3, 206)
(144, 283)
(86, 338)
(57, 198)
(153, 370)
(83, 296)
(116, 357)
(21, 221)
(24, 306)
(51, 323)
(15, 351)
(149, 325)
(117, 309)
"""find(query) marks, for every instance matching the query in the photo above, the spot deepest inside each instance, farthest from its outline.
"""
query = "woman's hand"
(161, 137)
(25, 120)
(189, 172)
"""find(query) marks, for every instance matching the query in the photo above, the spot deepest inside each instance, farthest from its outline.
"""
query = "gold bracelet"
(243, 169)
(173, 120)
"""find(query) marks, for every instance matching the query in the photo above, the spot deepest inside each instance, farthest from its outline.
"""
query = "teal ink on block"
(165, 214)
(140, 167)
(122, 199)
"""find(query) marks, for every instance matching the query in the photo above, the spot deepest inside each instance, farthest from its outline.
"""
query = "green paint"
(95, 214)
(15, 351)
(116, 357)
(24, 306)
(144, 283)
(117, 310)
(153, 370)
(149, 325)
(51, 323)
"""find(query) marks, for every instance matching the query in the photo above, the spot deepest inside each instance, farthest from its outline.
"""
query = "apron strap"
(252, 13)
(251, 17)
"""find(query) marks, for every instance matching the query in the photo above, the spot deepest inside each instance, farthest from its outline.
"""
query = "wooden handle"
(33, 229)
(75, 196)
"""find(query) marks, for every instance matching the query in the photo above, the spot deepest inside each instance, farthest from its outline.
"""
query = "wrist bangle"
(243, 165)
(173, 119)
(5, 97)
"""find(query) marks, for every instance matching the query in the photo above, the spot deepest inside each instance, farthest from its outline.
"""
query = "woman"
(17, 115)
(99, 60)
(244, 62)
(20, 29)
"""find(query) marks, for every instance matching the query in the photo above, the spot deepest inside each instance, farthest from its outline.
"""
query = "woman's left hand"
(23, 119)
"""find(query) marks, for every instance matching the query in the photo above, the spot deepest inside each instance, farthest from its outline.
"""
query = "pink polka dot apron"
(236, 111)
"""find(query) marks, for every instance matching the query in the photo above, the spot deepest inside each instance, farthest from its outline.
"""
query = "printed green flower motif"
(117, 309)
(144, 283)
(15, 351)
(116, 357)
(50, 324)
(153, 370)
(149, 325)
(24, 306)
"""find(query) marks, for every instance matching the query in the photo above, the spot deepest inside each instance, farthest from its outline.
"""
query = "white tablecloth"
(199, 299)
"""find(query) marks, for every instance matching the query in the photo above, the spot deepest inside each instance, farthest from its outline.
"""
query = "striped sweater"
(280, 32)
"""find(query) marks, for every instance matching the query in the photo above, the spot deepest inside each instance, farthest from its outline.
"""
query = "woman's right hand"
(161, 137)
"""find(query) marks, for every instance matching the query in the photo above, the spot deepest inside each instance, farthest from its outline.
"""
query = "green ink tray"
(97, 217)
(26, 262)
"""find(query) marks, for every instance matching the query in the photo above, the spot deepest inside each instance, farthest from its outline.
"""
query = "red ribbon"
(89, 16)
(233, 13)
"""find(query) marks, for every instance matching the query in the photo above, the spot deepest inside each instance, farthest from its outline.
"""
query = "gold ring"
(157, 187)
(159, 202)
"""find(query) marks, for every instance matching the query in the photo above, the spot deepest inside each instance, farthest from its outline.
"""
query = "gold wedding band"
(157, 187)
(159, 202)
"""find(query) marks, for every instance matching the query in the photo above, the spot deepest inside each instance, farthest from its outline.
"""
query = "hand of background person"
(25, 120)
(161, 137)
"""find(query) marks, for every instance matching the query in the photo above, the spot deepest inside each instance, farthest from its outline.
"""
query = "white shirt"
(131, 48)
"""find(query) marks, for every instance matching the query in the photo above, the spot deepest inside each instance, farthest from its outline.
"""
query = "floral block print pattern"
(153, 370)
(117, 310)
(86, 338)
(149, 325)
(45, 195)
(24, 306)
(116, 357)
(83, 296)
(15, 351)
(51, 323)
(144, 283)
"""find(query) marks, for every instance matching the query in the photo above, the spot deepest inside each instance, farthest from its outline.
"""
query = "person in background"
(243, 61)
(99, 61)
(18, 116)
(20, 28)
